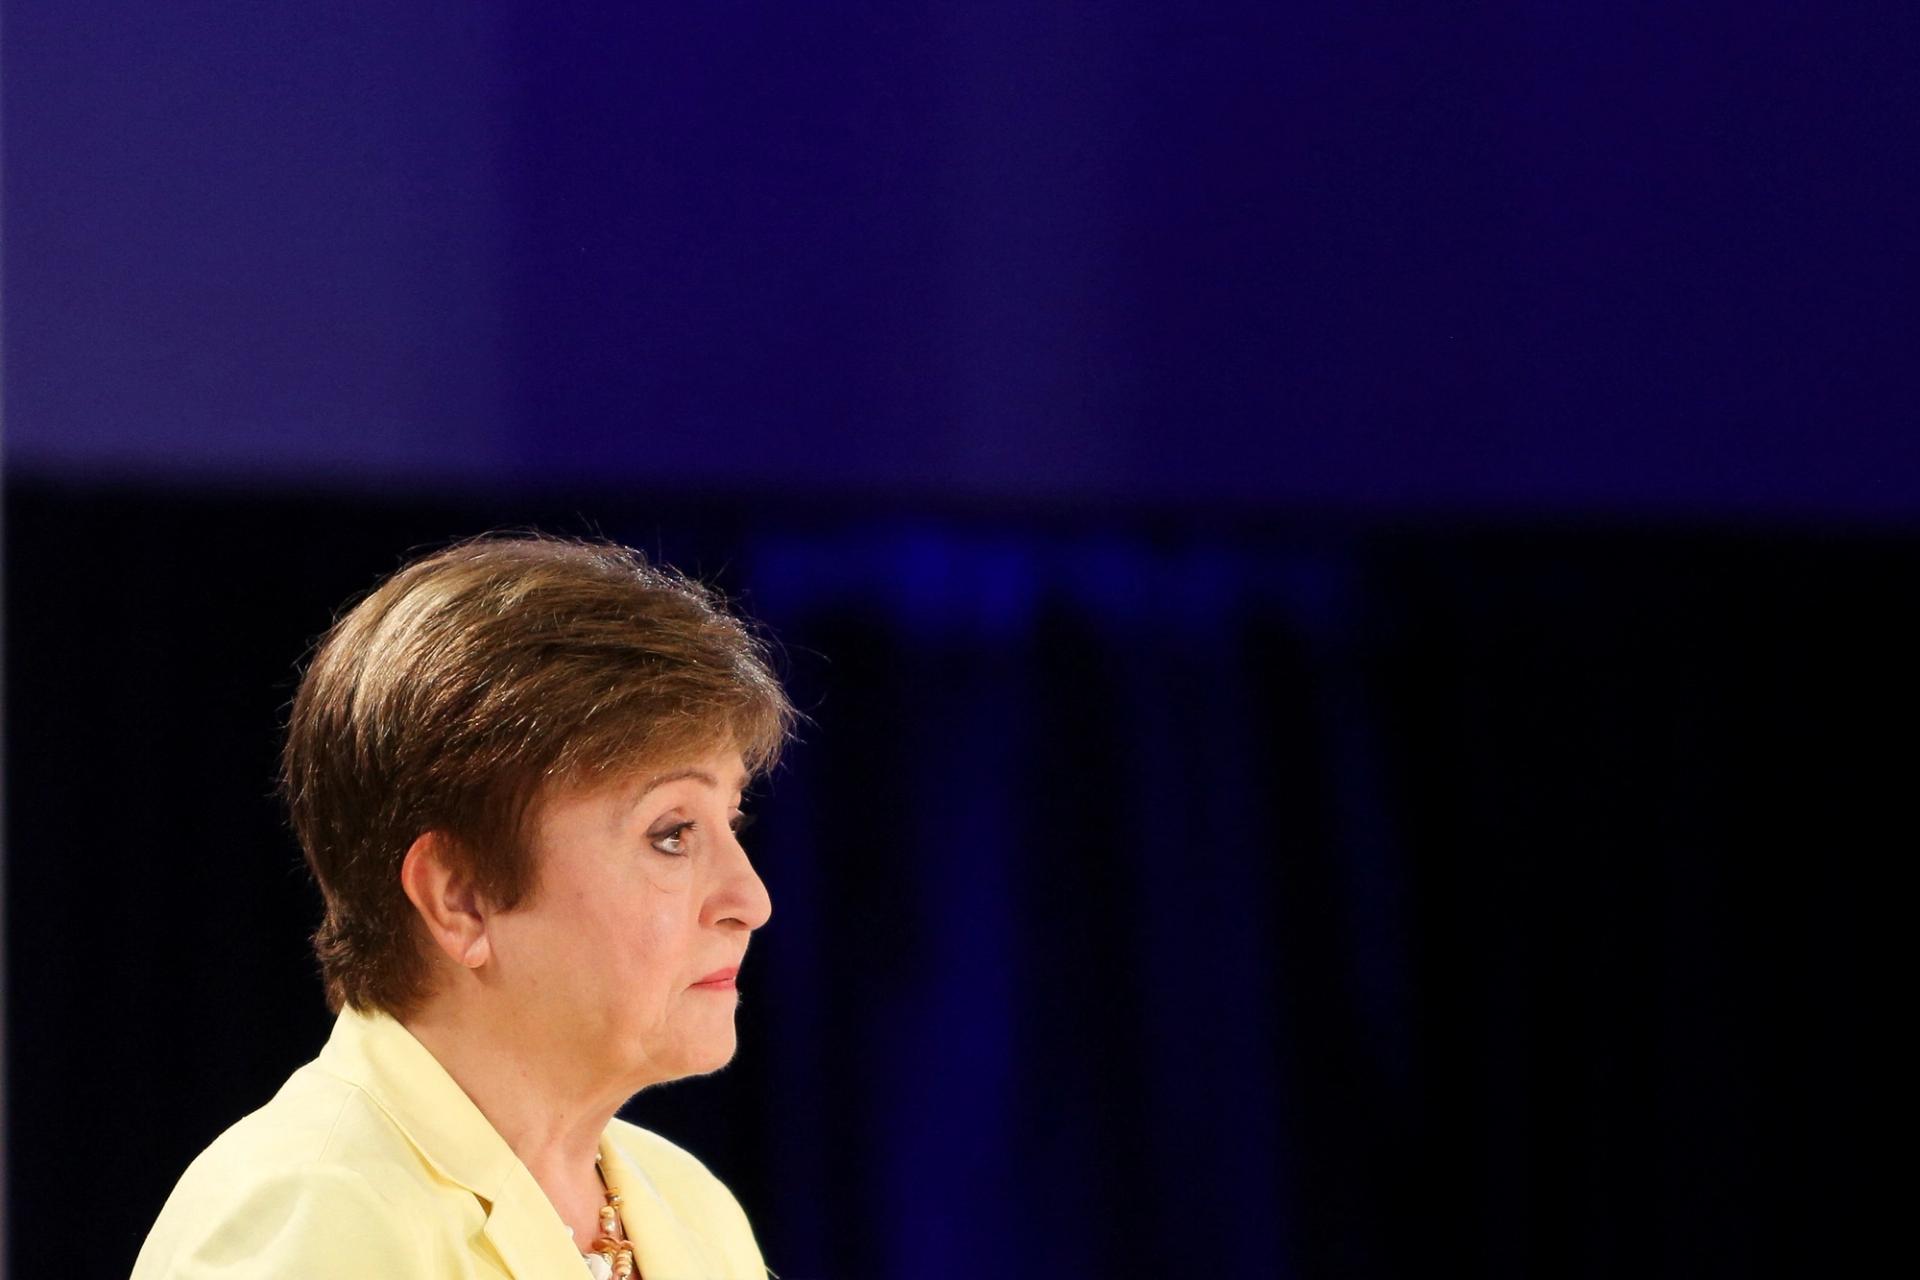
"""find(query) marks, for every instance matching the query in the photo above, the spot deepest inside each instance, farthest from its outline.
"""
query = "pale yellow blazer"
(372, 1164)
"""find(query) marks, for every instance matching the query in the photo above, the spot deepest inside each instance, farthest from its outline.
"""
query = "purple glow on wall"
(1582, 259)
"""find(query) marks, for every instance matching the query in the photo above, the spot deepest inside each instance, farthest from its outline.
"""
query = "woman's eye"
(673, 839)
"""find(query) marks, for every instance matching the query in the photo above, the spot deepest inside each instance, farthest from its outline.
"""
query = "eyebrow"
(681, 775)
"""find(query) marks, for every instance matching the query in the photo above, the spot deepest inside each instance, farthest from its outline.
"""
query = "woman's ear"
(448, 901)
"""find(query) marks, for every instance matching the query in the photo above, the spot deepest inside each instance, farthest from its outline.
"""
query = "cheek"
(569, 935)
(645, 937)
(617, 905)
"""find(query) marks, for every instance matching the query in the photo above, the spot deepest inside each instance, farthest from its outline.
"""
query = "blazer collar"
(663, 1246)
(372, 1050)
(378, 1054)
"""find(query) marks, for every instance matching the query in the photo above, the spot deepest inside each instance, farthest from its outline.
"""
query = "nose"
(740, 900)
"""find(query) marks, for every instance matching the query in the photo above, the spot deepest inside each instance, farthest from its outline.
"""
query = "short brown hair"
(467, 682)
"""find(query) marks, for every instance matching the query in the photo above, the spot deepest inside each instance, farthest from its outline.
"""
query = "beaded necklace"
(612, 1247)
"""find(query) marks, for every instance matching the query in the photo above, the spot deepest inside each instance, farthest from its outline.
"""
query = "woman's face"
(643, 895)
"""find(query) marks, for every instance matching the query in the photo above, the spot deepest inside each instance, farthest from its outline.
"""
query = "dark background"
(1349, 565)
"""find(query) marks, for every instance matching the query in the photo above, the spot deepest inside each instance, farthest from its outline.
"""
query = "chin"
(694, 1060)
(710, 1060)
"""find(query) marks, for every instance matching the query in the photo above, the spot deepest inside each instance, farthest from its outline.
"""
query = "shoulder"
(317, 1220)
(291, 1189)
(698, 1198)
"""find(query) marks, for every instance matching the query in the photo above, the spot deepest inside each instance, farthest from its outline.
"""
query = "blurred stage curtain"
(1330, 905)
(1151, 898)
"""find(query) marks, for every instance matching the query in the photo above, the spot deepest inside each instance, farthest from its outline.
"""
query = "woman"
(516, 771)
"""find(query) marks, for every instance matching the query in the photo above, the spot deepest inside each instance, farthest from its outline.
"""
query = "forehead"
(608, 801)
(621, 787)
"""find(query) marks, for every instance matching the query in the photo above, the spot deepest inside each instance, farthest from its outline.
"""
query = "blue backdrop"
(1562, 256)
(1348, 564)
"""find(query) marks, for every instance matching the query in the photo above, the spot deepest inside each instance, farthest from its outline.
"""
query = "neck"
(541, 1097)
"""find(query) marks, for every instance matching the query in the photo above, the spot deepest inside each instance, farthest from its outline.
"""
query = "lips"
(719, 977)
